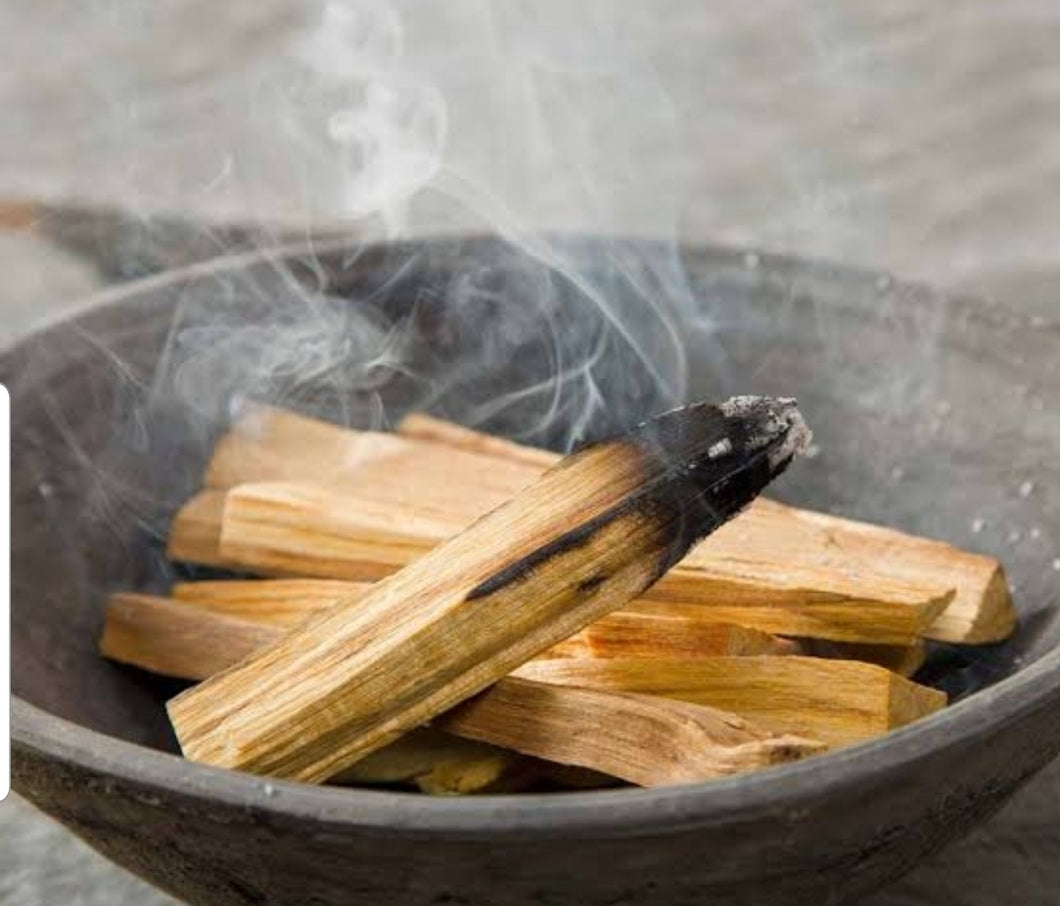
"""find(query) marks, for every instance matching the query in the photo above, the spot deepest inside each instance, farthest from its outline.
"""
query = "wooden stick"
(151, 623)
(838, 702)
(271, 445)
(594, 532)
(284, 529)
(171, 638)
(642, 739)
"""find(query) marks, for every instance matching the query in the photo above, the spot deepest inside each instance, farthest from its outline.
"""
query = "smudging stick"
(592, 533)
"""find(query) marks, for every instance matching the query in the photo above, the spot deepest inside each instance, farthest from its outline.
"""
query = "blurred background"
(912, 138)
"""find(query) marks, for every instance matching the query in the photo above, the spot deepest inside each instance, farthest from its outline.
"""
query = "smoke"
(350, 119)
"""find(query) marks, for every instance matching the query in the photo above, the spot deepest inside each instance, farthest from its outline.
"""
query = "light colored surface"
(914, 137)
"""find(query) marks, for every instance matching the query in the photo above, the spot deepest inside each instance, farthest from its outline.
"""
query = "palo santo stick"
(981, 610)
(172, 638)
(273, 445)
(594, 532)
(672, 630)
(285, 529)
(645, 740)
(838, 702)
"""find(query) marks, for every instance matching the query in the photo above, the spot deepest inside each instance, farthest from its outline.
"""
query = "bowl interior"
(931, 414)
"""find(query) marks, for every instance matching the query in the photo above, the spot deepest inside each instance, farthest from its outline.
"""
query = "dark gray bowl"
(932, 413)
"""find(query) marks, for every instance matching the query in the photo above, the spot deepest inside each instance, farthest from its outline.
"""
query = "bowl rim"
(611, 813)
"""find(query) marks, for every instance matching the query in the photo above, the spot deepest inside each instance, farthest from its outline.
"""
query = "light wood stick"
(172, 638)
(591, 534)
(285, 529)
(675, 631)
(271, 445)
(838, 702)
(645, 740)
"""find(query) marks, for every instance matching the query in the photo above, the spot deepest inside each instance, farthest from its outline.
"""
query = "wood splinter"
(592, 533)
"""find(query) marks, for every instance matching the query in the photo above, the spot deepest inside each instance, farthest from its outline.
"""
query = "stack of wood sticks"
(444, 610)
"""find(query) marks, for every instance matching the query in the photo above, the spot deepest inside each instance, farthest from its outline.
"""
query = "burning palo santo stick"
(980, 612)
(645, 740)
(838, 702)
(792, 552)
(593, 532)
(202, 634)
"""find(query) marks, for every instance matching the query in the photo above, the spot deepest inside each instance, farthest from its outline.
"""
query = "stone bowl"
(932, 413)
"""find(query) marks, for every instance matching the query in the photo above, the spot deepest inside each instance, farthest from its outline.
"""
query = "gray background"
(915, 137)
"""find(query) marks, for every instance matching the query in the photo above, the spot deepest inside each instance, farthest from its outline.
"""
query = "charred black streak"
(519, 570)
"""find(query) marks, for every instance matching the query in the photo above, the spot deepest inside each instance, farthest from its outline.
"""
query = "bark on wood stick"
(592, 533)
(284, 529)
(646, 740)
(838, 702)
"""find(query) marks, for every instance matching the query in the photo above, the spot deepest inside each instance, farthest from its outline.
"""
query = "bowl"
(932, 413)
